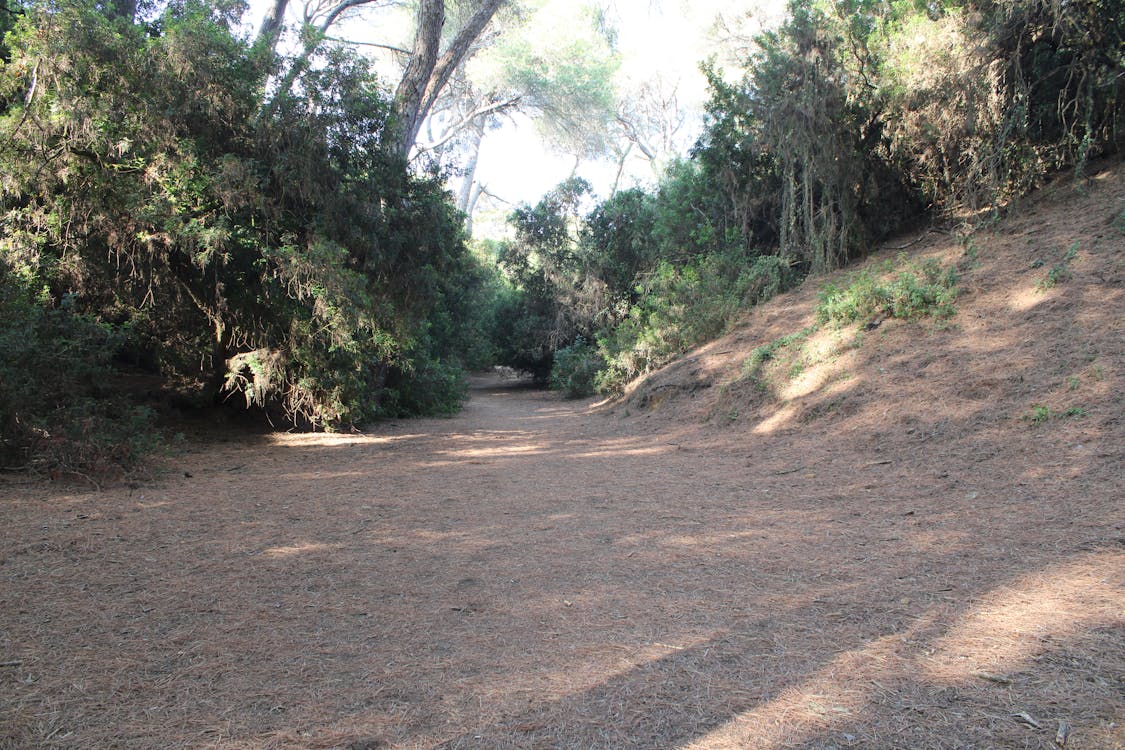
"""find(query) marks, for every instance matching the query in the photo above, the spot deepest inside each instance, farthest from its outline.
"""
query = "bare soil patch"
(893, 555)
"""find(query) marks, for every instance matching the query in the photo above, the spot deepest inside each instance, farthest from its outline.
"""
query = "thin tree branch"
(485, 191)
(354, 43)
(635, 137)
(451, 132)
(340, 9)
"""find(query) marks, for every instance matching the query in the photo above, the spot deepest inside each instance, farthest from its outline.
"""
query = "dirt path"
(531, 575)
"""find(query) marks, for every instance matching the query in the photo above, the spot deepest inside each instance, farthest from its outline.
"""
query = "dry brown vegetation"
(872, 543)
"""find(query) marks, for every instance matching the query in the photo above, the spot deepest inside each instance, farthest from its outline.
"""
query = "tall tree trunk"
(574, 169)
(620, 168)
(427, 73)
(474, 196)
(270, 30)
(412, 88)
(470, 170)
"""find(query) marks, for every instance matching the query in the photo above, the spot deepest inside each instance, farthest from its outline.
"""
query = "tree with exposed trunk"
(429, 66)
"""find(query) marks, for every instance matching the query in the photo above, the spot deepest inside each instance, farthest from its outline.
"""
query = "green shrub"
(683, 306)
(426, 387)
(58, 413)
(286, 257)
(576, 368)
(927, 289)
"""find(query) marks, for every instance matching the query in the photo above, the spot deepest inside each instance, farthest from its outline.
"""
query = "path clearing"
(530, 574)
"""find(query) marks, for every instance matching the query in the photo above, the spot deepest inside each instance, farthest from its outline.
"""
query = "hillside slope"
(1024, 367)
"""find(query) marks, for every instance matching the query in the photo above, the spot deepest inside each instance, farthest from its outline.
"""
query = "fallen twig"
(998, 679)
(1063, 733)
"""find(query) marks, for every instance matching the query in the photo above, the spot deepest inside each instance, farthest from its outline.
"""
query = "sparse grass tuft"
(1060, 272)
(970, 255)
(762, 354)
(1039, 413)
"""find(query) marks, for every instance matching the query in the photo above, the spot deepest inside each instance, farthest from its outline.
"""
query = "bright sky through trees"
(658, 40)
(661, 44)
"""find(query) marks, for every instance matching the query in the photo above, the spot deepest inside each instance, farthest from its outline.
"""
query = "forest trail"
(527, 574)
(895, 557)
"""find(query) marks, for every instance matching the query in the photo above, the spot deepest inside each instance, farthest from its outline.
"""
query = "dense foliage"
(855, 116)
(158, 221)
(635, 274)
(850, 121)
(177, 222)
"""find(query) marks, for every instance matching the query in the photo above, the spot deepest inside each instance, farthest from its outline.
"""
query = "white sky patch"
(654, 42)
(670, 43)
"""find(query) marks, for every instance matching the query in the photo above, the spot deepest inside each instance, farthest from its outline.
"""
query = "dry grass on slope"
(1034, 346)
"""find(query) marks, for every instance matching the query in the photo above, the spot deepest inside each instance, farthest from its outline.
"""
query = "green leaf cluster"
(286, 257)
(925, 289)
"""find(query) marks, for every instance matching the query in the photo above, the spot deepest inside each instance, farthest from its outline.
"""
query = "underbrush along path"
(535, 574)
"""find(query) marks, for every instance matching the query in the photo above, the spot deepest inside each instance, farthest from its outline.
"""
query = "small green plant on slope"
(1060, 272)
(763, 354)
(925, 289)
(1039, 413)
(1119, 222)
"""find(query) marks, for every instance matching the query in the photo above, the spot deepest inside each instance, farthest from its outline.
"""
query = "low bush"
(427, 387)
(575, 369)
(683, 306)
(58, 414)
(926, 289)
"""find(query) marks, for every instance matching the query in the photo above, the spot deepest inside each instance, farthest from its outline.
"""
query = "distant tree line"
(191, 217)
